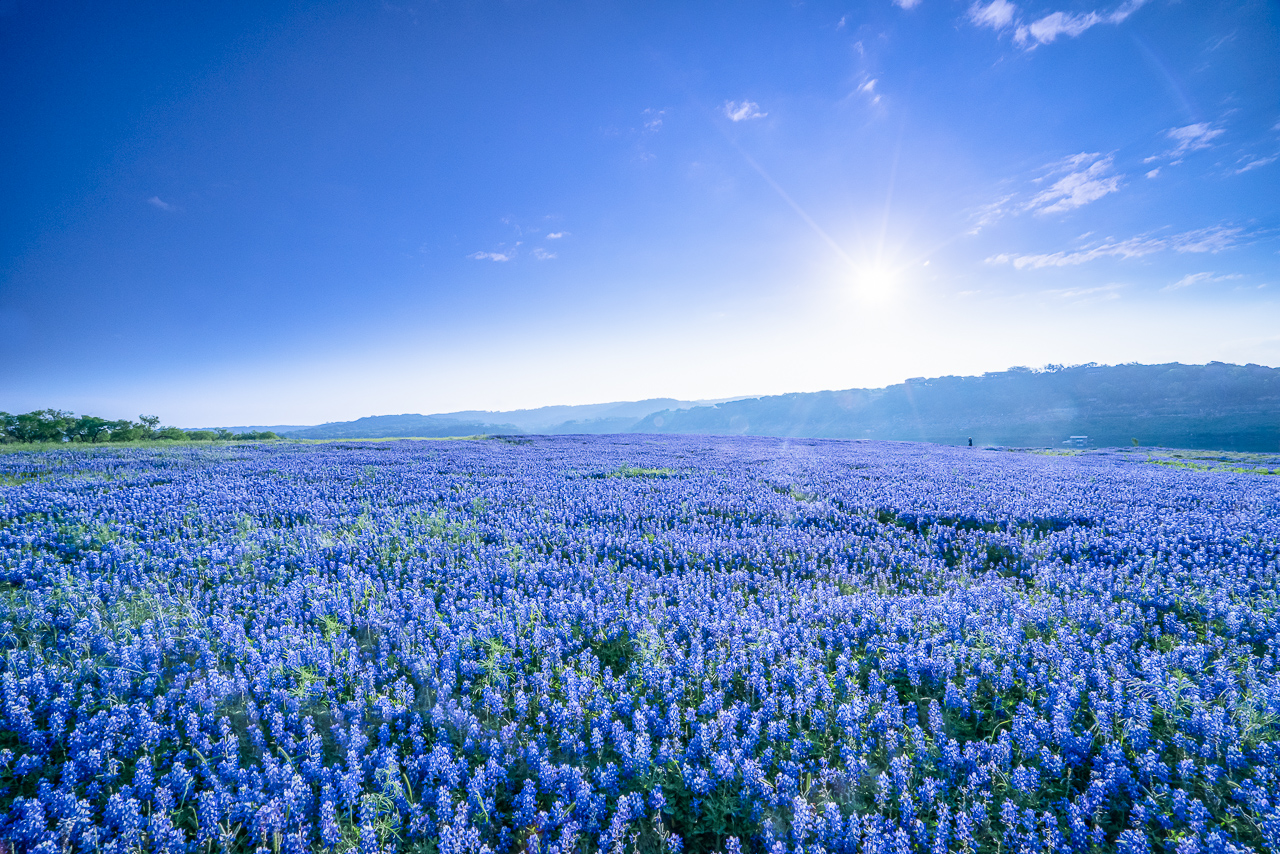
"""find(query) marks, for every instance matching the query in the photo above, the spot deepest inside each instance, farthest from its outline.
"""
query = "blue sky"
(291, 213)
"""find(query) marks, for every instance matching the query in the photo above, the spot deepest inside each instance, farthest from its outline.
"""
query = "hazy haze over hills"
(1220, 406)
(554, 419)
(616, 417)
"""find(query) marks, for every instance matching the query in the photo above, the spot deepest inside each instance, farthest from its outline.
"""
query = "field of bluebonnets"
(620, 643)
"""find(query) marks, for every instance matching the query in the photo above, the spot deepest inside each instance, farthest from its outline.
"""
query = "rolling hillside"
(1217, 406)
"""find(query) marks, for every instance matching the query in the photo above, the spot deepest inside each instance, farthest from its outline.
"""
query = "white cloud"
(542, 254)
(489, 256)
(1048, 28)
(653, 119)
(991, 213)
(1257, 163)
(1154, 172)
(869, 89)
(1213, 239)
(1192, 137)
(1099, 292)
(906, 4)
(1125, 10)
(1079, 186)
(160, 203)
(556, 235)
(1200, 278)
(997, 14)
(844, 19)
(741, 112)
(1077, 181)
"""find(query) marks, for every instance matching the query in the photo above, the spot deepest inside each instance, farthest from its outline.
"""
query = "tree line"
(52, 425)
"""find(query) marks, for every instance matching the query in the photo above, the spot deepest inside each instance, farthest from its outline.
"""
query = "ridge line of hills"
(1215, 406)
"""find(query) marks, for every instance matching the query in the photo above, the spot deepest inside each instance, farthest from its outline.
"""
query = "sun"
(876, 281)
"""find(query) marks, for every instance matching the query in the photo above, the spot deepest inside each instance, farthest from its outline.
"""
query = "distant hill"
(1218, 406)
(591, 417)
(279, 429)
(599, 418)
(1215, 406)
(389, 426)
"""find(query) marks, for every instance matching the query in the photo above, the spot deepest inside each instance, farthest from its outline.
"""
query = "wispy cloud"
(1050, 27)
(653, 119)
(1192, 137)
(869, 89)
(160, 203)
(1000, 15)
(556, 235)
(1077, 181)
(1099, 292)
(1200, 279)
(992, 213)
(542, 254)
(1124, 10)
(906, 4)
(1087, 180)
(490, 256)
(997, 14)
(513, 223)
(739, 112)
(1257, 163)
(1214, 239)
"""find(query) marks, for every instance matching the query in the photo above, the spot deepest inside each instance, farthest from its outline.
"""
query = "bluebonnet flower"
(481, 640)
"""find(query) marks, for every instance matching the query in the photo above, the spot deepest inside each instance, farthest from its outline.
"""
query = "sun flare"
(876, 282)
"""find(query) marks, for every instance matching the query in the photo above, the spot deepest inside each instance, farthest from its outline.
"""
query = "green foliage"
(636, 471)
(616, 653)
(52, 426)
(1220, 464)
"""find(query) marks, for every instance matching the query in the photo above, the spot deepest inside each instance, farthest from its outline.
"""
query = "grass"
(1237, 462)
(474, 438)
(637, 471)
(42, 447)
(1200, 466)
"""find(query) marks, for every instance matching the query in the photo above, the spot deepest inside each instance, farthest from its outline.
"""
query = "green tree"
(43, 425)
(150, 427)
(52, 425)
(255, 435)
(89, 428)
(125, 430)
